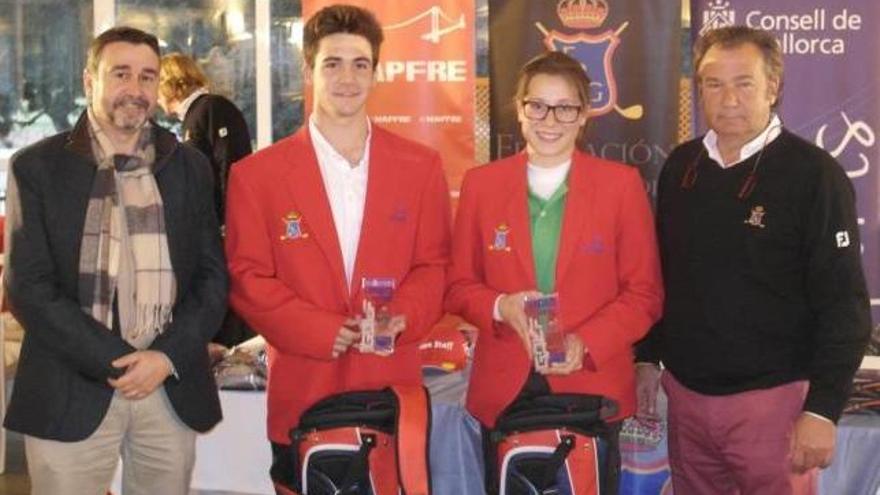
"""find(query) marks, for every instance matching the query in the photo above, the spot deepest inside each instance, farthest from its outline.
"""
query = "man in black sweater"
(766, 314)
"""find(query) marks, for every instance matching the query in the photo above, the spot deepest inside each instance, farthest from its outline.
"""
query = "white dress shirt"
(346, 187)
(771, 132)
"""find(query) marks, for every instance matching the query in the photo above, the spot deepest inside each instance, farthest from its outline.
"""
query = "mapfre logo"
(593, 50)
(718, 14)
(433, 26)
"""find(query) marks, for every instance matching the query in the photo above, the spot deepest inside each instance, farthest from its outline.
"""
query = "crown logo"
(582, 14)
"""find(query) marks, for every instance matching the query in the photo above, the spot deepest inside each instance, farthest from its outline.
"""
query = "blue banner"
(631, 50)
(831, 94)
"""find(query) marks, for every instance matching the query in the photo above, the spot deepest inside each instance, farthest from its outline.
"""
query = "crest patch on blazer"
(500, 240)
(293, 227)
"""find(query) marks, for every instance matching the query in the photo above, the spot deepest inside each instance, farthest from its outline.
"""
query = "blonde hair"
(179, 76)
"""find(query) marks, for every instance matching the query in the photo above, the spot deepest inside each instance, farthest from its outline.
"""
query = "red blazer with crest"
(286, 269)
(607, 277)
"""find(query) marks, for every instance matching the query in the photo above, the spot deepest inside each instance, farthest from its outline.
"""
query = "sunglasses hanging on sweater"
(689, 179)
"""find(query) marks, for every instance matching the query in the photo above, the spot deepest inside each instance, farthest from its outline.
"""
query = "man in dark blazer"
(115, 269)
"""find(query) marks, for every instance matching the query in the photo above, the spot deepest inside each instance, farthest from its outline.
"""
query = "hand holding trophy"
(379, 328)
(548, 341)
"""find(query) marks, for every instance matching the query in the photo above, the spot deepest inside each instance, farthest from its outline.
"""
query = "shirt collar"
(771, 132)
(326, 149)
(557, 172)
(188, 101)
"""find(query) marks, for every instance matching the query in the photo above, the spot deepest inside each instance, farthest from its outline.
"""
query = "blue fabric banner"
(631, 50)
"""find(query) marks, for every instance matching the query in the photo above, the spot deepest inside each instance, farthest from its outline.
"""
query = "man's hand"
(216, 352)
(144, 373)
(512, 310)
(812, 443)
(347, 336)
(647, 386)
(574, 357)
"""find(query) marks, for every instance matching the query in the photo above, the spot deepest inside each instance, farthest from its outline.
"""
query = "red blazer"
(607, 277)
(286, 269)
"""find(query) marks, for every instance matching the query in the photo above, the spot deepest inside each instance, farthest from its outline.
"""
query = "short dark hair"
(126, 34)
(736, 36)
(340, 18)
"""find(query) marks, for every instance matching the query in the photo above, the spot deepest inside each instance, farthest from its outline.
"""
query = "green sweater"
(545, 219)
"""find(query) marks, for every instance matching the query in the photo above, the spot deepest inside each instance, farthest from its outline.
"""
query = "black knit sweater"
(764, 290)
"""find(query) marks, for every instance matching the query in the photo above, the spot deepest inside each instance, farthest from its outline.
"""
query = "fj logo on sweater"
(756, 218)
(293, 227)
(842, 238)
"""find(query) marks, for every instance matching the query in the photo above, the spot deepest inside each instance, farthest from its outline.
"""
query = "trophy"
(548, 339)
(377, 323)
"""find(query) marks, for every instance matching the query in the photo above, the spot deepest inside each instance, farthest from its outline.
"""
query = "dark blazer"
(217, 128)
(61, 389)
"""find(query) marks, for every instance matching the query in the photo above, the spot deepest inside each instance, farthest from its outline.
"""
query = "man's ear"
(87, 84)
(773, 91)
(307, 73)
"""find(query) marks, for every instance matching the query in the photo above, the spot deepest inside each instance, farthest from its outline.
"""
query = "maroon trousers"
(736, 444)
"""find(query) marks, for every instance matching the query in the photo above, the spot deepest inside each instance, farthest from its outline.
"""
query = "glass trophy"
(377, 332)
(548, 339)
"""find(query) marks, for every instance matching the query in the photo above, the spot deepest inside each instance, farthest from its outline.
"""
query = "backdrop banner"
(631, 50)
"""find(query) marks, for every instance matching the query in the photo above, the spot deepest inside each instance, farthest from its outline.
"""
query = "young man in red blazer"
(311, 216)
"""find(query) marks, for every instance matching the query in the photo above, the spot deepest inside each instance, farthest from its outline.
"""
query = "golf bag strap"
(413, 431)
(557, 460)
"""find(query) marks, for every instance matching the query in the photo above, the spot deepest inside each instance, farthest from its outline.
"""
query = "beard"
(129, 113)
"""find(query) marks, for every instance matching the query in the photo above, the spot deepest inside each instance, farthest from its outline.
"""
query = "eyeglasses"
(564, 113)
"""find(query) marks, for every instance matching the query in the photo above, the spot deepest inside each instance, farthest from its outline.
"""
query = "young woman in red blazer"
(554, 219)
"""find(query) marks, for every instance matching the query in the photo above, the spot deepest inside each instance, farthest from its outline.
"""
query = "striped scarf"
(124, 251)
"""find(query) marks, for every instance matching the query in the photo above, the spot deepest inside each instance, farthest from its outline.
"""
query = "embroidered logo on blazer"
(293, 227)
(499, 242)
(595, 246)
(399, 214)
(756, 218)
